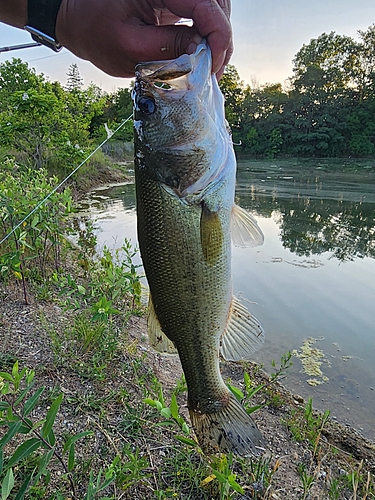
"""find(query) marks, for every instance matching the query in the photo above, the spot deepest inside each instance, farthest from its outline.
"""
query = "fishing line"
(110, 134)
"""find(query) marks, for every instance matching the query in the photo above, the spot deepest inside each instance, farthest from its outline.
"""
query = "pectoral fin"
(245, 229)
(158, 340)
(243, 334)
(211, 235)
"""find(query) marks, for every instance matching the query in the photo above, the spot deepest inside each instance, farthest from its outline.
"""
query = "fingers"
(211, 19)
(115, 35)
(163, 42)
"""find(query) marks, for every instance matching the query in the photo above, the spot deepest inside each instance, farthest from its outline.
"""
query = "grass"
(99, 423)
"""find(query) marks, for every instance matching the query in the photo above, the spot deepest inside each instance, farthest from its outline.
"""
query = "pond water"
(314, 277)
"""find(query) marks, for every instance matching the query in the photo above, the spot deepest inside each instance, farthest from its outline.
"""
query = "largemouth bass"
(185, 172)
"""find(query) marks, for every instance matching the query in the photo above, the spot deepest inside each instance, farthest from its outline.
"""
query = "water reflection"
(313, 277)
(315, 213)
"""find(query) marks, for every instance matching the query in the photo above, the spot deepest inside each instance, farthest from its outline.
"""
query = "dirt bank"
(340, 463)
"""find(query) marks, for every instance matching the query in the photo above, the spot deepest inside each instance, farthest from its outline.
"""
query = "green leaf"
(187, 441)
(237, 392)
(185, 428)
(7, 486)
(159, 405)
(26, 427)
(4, 405)
(6, 376)
(232, 481)
(23, 394)
(220, 477)
(23, 490)
(75, 438)
(1, 460)
(251, 409)
(51, 438)
(12, 430)
(15, 369)
(51, 415)
(32, 402)
(35, 221)
(71, 457)
(150, 402)
(24, 450)
(44, 461)
(174, 406)
(247, 380)
(165, 412)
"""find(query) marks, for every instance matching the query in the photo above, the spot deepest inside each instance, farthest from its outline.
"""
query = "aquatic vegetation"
(312, 359)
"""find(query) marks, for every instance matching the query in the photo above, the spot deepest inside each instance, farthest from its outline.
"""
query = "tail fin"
(230, 430)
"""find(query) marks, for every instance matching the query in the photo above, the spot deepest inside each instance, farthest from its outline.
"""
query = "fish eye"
(146, 105)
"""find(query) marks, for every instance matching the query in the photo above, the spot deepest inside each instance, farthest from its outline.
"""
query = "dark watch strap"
(41, 22)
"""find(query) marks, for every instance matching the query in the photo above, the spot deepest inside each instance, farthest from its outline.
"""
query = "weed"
(308, 427)
(259, 473)
(131, 467)
(306, 479)
(227, 486)
(251, 389)
(35, 246)
(334, 490)
(29, 462)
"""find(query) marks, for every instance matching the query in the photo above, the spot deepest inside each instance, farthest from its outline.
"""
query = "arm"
(13, 12)
(117, 34)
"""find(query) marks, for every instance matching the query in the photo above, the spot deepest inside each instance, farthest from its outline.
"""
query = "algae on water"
(312, 360)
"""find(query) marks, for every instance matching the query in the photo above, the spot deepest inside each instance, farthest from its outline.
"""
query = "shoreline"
(282, 420)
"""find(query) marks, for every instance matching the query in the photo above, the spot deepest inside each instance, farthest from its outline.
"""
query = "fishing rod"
(19, 47)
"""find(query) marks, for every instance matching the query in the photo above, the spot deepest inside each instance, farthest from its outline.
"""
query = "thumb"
(155, 43)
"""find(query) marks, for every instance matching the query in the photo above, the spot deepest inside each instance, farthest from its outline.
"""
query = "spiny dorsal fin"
(245, 229)
(212, 236)
(158, 340)
(243, 334)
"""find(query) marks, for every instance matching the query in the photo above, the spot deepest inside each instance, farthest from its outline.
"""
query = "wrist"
(41, 22)
(13, 12)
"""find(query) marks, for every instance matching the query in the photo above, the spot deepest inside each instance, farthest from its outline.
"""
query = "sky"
(267, 35)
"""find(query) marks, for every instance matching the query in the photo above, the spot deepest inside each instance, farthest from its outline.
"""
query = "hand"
(115, 35)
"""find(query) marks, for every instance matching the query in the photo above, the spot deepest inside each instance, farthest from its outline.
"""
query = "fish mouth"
(181, 74)
(172, 69)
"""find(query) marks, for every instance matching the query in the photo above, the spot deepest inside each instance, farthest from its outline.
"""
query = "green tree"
(16, 75)
(36, 120)
(37, 124)
(119, 107)
(327, 62)
(74, 80)
(233, 90)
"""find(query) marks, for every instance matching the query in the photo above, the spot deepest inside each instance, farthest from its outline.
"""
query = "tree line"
(326, 108)
(45, 124)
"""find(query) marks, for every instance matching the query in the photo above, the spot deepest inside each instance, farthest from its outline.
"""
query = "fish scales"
(186, 292)
(185, 177)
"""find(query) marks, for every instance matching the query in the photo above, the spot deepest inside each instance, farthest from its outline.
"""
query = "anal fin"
(243, 334)
(158, 340)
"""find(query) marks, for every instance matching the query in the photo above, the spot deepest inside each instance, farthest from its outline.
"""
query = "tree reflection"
(312, 226)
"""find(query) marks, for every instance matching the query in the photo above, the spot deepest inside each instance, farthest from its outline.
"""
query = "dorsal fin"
(245, 229)
(158, 340)
(243, 334)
